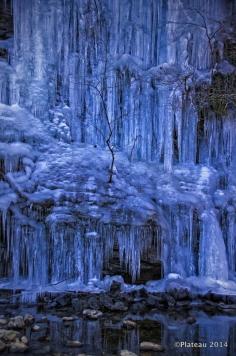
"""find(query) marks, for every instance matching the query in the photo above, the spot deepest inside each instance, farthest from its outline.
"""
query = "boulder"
(9, 335)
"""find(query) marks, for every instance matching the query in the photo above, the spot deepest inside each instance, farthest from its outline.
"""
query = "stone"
(92, 314)
(2, 346)
(17, 322)
(3, 322)
(28, 319)
(129, 324)
(18, 347)
(68, 318)
(24, 340)
(9, 335)
(151, 346)
(35, 328)
(73, 343)
(127, 353)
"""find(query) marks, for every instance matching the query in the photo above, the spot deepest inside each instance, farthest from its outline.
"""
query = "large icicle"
(212, 252)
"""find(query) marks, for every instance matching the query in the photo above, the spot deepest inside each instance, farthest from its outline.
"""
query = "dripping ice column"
(168, 129)
(93, 256)
(212, 252)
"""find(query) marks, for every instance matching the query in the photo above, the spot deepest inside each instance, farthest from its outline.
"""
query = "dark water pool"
(202, 335)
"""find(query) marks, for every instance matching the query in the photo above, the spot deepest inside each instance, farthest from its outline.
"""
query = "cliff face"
(159, 77)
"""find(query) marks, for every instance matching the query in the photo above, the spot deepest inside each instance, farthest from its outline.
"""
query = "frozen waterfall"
(143, 65)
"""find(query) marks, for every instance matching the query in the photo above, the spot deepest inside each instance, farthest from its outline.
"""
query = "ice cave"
(117, 146)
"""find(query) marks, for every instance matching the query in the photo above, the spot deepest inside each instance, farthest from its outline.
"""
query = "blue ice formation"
(74, 65)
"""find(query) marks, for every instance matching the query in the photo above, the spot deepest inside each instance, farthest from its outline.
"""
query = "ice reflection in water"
(107, 336)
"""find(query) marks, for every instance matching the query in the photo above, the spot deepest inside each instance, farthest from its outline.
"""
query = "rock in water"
(127, 353)
(68, 318)
(92, 314)
(24, 340)
(73, 343)
(35, 328)
(129, 324)
(151, 346)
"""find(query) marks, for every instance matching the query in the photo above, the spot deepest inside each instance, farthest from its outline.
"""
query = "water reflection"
(212, 335)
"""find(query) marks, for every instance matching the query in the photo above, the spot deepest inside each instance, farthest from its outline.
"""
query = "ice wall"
(140, 55)
(73, 64)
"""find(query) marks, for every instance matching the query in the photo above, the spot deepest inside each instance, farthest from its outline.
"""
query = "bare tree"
(110, 126)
